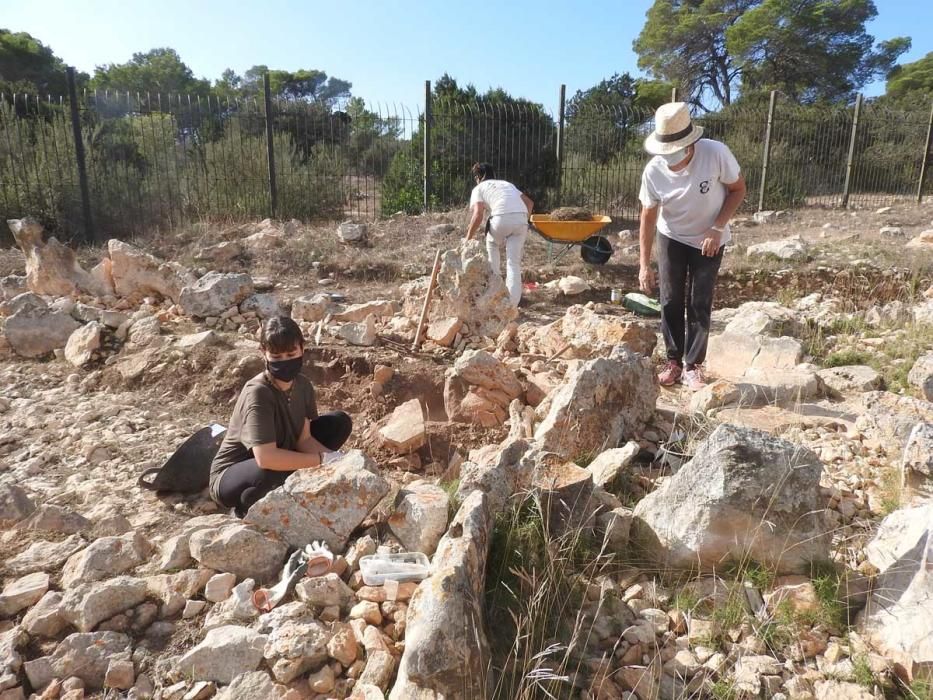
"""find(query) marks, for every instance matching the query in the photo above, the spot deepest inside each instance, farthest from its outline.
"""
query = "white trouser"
(509, 230)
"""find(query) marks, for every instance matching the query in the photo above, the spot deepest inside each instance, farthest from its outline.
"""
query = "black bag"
(188, 470)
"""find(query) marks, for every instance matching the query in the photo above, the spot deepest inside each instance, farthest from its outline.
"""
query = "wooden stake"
(427, 300)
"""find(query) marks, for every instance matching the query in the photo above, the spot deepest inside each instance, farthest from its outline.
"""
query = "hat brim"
(657, 148)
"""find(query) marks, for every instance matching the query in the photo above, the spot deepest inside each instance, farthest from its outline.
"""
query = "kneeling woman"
(275, 428)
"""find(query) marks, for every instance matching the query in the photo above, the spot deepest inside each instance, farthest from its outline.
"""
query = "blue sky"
(386, 49)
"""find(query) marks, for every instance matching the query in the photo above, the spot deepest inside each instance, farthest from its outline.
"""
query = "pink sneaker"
(694, 379)
(670, 375)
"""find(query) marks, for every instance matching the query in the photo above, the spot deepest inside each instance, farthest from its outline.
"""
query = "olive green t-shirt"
(263, 413)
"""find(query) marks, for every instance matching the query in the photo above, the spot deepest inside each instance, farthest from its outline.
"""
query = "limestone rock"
(263, 305)
(362, 334)
(506, 472)
(892, 416)
(214, 293)
(764, 318)
(311, 308)
(44, 556)
(138, 273)
(52, 268)
(15, 504)
(420, 516)
(44, 619)
(588, 333)
(405, 431)
(921, 375)
(252, 686)
(841, 690)
(27, 301)
(850, 379)
(105, 557)
(891, 232)
(380, 667)
(322, 504)
(264, 241)
(82, 655)
(295, 647)
(82, 343)
(924, 241)
(23, 593)
(899, 615)
(611, 464)
(445, 644)
(917, 464)
(225, 653)
(601, 403)
(36, 332)
(218, 587)
(793, 249)
(440, 229)
(88, 604)
(479, 388)
(564, 493)
(195, 341)
(223, 252)
(744, 494)
(466, 289)
(324, 591)
(444, 331)
(239, 549)
(380, 308)
(349, 232)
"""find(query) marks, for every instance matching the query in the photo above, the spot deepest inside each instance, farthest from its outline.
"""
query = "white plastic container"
(406, 566)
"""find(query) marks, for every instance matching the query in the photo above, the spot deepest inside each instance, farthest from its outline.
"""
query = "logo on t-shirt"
(704, 187)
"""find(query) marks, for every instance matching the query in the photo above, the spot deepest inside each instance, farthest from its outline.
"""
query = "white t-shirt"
(692, 198)
(499, 196)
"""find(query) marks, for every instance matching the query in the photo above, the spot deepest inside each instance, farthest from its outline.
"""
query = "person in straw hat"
(689, 191)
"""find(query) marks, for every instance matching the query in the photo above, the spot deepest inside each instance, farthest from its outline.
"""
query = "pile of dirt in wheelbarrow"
(571, 214)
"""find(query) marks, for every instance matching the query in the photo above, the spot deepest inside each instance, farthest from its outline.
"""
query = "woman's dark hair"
(280, 334)
(484, 171)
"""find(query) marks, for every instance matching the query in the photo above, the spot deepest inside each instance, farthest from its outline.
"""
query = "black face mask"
(285, 370)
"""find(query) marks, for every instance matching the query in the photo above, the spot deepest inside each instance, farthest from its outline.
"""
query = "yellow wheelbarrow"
(594, 249)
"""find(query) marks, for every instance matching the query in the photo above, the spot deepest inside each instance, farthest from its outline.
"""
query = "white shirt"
(692, 198)
(499, 196)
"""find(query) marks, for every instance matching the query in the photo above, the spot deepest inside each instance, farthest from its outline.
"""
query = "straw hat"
(673, 129)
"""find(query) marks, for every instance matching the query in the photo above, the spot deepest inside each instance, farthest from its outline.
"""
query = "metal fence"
(113, 164)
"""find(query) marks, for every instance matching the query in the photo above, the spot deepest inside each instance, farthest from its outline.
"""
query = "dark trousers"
(244, 483)
(687, 279)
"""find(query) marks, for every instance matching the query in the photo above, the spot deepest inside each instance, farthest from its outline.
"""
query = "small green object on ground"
(641, 304)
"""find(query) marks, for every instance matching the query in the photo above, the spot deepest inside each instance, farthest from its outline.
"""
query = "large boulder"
(15, 504)
(83, 655)
(892, 417)
(23, 593)
(764, 318)
(479, 388)
(327, 503)
(136, 273)
(27, 301)
(44, 555)
(921, 375)
(225, 653)
(52, 268)
(466, 289)
(446, 653)
(239, 549)
(35, 332)
(899, 615)
(850, 379)
(500, 475)
(215, 292)
(744, 495)
(602, 403)
(295, 647)
(588, 334)
(404, 431)
(311, 308)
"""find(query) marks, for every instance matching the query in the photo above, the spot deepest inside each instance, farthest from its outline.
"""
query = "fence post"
(851, 159)
(270, 146)
(561, 116)
(767, 154)
(79, 156)
(673, 94)
(428, 118)
(926, 158)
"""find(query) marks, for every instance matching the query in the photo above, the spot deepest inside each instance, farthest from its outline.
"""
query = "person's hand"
(646, 279)
(710, 245)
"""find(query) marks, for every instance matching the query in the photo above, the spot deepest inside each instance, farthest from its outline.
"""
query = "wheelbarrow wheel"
(596, 250)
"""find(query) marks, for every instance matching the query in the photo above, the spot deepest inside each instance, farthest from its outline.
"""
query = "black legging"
(244, 483)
